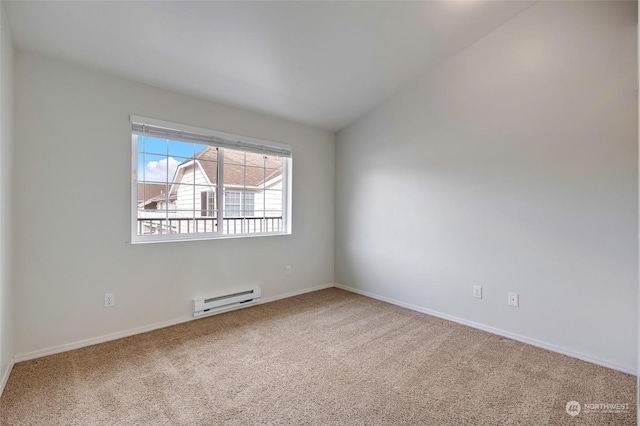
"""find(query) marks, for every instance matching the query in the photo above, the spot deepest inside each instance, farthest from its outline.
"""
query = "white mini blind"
(161, 129)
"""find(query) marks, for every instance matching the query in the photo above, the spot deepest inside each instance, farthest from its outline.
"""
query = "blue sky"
(162, 156)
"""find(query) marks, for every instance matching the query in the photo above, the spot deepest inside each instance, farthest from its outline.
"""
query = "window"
(239, 204)
(232, 203)
(192, 183)
(207, 203)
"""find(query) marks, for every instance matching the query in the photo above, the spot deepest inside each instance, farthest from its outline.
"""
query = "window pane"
(152, 226)
(273, 221)
(152, 145)
(172, 224)
(185, 197)
(185, 202)
(150, 190)
(212, 203)
(254, 160)
(273, 201)
(206, 153)
(273, 179)
(140, 166)
(208, 224)
(207, 172)
(254, 177)
(232, 156)
(273, 213)
(248, 203)
(157, 168)
(233, 225)
(234, 175)
(272, 162)
(232, 204)
(199, 147)
(181, 223)
(181, 149)
(203, 200)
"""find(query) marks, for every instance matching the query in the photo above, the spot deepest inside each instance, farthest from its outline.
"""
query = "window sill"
(199, 237)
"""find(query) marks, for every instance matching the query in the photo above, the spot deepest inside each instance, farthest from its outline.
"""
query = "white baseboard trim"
(5, 376)
(295, 293)
(499, 332)
(139, 330)
(96, 340)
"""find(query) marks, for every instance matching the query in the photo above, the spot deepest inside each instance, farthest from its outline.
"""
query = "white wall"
(72, 206)
(513, 166)
(6, 198)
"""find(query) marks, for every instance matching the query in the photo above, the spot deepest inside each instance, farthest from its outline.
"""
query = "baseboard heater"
(215, 304)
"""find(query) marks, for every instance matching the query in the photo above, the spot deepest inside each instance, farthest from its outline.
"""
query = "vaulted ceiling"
(318, 63)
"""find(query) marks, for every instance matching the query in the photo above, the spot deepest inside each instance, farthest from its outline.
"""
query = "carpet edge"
(497, 331)
(7, 373)
(146, 328)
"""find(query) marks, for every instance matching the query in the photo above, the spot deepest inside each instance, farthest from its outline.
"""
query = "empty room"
(318, 212)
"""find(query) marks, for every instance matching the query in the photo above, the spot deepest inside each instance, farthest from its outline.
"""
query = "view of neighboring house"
(153, 196)
(188, 203)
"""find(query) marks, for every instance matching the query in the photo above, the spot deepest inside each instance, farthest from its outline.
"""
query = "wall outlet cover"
(109, 300)
(477, 291)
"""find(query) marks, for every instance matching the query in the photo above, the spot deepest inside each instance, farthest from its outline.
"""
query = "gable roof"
(147, 190)
(235, 172)
(151, 193)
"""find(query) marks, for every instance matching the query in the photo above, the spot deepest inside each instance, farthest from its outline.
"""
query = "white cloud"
(157, 170)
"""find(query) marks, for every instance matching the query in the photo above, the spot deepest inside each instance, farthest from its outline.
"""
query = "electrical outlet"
(287, 270)
(514, 299)
(109, 300)
(477, 291)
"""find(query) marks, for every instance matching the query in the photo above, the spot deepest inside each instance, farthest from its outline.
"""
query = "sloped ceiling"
(319, 63)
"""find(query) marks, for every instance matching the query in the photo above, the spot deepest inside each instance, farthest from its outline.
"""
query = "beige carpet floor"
(324, 358)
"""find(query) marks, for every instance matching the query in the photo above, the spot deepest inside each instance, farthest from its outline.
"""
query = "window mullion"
(220, 191)
(243, 194)
(263, 219)
(286, 226)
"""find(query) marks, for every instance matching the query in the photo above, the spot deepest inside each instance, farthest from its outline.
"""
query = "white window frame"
(228, 140)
